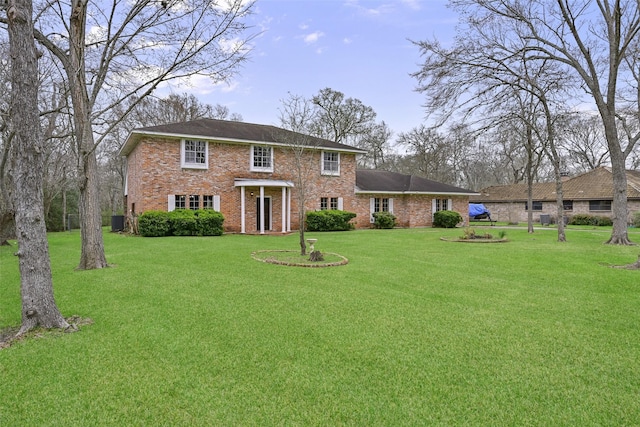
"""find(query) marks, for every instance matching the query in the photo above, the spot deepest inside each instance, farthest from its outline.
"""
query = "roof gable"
(378, 181)
(232, 131)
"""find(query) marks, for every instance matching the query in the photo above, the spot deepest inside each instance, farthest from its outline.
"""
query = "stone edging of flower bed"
(299, 264)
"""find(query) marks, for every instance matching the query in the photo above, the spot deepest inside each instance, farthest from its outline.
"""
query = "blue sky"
(359, 47)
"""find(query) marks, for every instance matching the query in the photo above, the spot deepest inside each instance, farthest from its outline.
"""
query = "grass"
(412, 331)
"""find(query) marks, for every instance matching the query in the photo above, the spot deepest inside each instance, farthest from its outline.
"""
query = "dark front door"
(267, 213)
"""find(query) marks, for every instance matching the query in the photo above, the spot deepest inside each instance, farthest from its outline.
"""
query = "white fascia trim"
(416, 192)
(240, 182)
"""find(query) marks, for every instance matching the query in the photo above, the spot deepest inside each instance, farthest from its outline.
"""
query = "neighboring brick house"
(589, 193)
(247, 172)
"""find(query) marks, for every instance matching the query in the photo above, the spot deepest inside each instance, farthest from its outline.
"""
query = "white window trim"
(185, 165)
(253, 168)
(326, 172)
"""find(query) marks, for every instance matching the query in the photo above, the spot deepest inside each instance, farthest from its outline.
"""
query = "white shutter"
(449, 204)
(340, 204)
(216, 203)
(372, 206)
(171, 202)
(433, 208)
(390, 205)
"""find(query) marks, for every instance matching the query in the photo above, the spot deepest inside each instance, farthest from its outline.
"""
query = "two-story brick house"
(252, 174)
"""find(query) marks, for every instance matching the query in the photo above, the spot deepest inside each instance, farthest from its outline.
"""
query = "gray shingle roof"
(596, 184)
(232, 131)
(378, 181)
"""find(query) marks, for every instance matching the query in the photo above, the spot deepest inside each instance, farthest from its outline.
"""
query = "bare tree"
(341, 119)
(36, 283)
(175, 108)
(583, 142)
(430, 151)
(597, 44)
(298, 114)
(123, 51)
(376, 140)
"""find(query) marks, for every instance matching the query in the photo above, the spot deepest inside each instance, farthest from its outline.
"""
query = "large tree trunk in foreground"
(36, 284)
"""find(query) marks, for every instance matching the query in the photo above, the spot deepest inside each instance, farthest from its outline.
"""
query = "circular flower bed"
(294, 259)
(475, 240)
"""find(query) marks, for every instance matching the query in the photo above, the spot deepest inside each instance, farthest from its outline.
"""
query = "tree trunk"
(619, 233)
(36, 283)
(92, 253)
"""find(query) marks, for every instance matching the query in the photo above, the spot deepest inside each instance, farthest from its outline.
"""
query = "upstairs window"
(194, 154)
(330, 163)
(261, 158)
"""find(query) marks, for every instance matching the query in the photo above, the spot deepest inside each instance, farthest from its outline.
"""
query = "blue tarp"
(476, 209)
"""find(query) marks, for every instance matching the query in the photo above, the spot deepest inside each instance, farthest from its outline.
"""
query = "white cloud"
(411, 4)
(313, 37)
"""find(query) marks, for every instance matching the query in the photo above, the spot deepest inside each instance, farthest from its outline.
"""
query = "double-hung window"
(330, 163)
(379, 204)
(535, 205)
(330, 203)
(261, 158)
(180, 201)
(194, 202)
(194, 154)
(599, 205)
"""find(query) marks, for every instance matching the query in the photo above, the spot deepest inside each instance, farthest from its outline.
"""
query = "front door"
(267, 213)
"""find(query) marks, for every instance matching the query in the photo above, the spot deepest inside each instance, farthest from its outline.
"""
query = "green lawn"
(412, 331)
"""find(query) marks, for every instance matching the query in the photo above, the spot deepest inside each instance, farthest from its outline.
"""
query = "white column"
(288, 209)
(242, 225)
(261, 209)
(284, 209)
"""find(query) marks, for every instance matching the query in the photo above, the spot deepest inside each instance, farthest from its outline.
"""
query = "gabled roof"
(378, 181)
(596, 184)
(232, 132)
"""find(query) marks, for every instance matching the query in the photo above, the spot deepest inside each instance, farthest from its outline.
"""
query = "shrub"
(584, 219)
(384, 220)
(182, 222)
(209, 222)
(154, 224)
(329, 220)
(604, 221)
(636, 219)
(446, 219)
